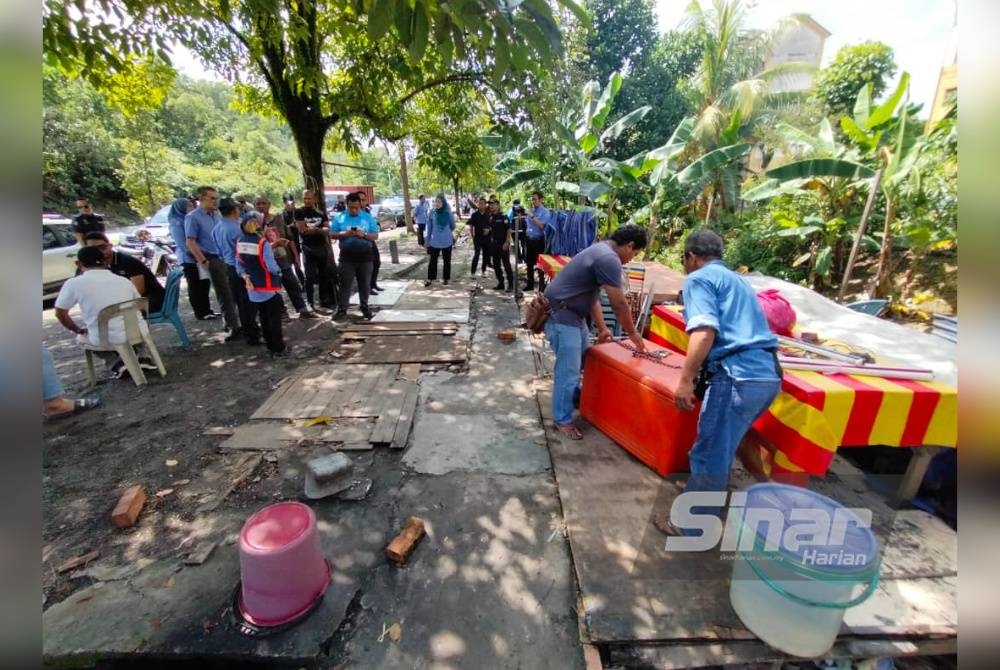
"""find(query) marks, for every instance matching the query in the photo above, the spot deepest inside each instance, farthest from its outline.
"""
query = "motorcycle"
(158, 255)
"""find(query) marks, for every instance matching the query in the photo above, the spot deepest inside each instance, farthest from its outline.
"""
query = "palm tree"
(730, 91)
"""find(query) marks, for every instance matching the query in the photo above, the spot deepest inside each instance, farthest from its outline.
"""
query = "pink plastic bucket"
(282, 569)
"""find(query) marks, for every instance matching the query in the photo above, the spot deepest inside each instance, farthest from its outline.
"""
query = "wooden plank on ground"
(365, 334)
(406, 414)
(218, 479)
(410, 371)
(266, 410)
(385, 426)
(373, 380)
(277, 435)
(289, 404)
(390, 326)
(748, 653)
(416, 349)
(634, 590)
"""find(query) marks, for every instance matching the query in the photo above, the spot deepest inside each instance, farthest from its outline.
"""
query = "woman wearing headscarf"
(197, 287)
(440, 238)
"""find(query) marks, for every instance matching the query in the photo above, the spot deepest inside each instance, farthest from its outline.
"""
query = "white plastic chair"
(130, 312)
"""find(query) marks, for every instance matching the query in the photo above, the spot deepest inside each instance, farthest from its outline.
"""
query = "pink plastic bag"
(780, 315)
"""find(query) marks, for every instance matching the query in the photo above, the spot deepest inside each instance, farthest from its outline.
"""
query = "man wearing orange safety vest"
(260, 271)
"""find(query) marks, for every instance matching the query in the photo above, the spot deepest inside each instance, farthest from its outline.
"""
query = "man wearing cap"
(731, 345)
(94, 289)
(198, 226)
(500, 234)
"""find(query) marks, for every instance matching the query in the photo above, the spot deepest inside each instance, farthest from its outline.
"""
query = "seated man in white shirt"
(93, 290)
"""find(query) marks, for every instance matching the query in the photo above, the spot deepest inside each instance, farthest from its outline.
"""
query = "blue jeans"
(569, 344)
(728, 410)
(51, 386)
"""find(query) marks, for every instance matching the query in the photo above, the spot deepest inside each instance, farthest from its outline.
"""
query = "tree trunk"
(654, 225)
(309, 131)
(458, 203)
(883, 276)
(405, 179)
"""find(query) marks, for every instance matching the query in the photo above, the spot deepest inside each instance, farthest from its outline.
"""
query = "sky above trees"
(919, 31)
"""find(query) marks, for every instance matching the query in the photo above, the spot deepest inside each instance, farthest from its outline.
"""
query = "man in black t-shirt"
(288, 216)
(86, 221)
(480, 224)
(500, 232)
(131, 268)
(314, 231)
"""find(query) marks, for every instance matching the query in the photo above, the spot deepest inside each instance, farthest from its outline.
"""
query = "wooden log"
(128, 507)
(402, 545)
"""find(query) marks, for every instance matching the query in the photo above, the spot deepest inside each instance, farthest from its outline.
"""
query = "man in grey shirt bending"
(574, 298)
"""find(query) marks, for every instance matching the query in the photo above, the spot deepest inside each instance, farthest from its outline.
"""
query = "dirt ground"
(154, 436)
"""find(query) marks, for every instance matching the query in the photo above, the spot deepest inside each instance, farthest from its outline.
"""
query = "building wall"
(947, 84)
(802, 44)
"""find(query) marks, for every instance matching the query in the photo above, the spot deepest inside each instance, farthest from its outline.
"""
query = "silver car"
(59, 247)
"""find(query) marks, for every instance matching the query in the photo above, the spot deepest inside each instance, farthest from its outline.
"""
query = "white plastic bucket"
(793, 594)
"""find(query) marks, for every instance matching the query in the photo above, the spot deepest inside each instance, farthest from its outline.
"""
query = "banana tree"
(660, 173)
(581, 135)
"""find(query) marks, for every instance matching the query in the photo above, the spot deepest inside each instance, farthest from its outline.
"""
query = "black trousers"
(349, 272)
(535, 247)
(239, 289)
(376, 264)
(293, 288)
(432, 266)
(501, 257)
(269, 315)
(317, 274)
(480, 246)
(420, 233)
(198, 289)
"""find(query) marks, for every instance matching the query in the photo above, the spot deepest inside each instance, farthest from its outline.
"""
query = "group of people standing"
(249, 256)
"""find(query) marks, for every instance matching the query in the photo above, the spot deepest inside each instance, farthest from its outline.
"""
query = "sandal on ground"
(570, 431)
(666, 526)
(79, 405)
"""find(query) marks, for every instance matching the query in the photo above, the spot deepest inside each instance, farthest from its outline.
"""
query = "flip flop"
(80, 405)
(570, 431)
(665, 525)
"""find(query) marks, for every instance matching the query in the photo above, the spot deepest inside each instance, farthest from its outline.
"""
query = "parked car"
(59, 249)
(393, 207)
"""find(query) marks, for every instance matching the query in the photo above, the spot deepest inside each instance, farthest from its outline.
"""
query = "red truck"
(331, 194)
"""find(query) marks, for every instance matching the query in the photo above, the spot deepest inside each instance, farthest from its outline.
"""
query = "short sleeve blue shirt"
(718, 298)
(198, 226)
(225, 234)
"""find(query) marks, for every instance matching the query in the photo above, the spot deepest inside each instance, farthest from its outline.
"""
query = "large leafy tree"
(853, 68)
(327, 67)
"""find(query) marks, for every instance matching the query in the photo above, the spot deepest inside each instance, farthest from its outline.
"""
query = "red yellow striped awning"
(551, 265)
(816, 413)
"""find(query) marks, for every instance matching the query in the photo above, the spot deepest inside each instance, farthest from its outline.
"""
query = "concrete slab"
(430, 301)
(393, 291)
(506, 443)
(456, 315)
(168, 608)
(488, 587)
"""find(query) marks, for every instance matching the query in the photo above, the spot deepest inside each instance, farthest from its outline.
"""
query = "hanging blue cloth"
(568, 232)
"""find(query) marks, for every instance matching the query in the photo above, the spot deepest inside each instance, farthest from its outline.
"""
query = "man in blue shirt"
(730, 343)
(198, 227)
(260, 275)
(355, 231)
(420, 217)
(226, 234)
(535, 236)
